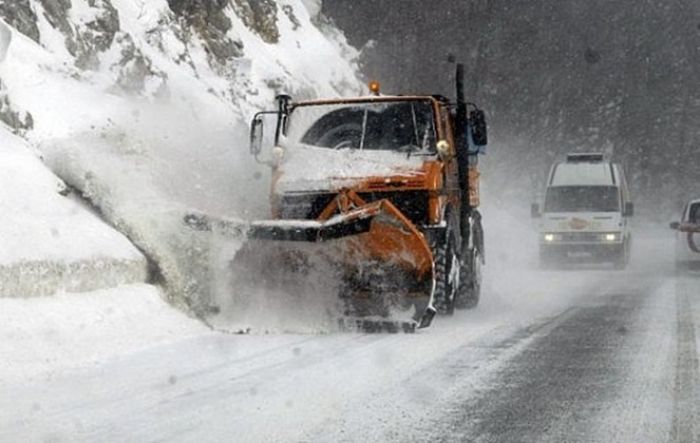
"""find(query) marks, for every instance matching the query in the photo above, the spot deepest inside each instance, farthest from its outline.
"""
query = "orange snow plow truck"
(381, 192)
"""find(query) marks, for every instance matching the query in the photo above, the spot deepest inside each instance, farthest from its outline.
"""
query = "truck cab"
(585, 213)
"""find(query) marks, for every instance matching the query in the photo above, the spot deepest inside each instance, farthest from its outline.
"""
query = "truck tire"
(447, 269)
(469, 291)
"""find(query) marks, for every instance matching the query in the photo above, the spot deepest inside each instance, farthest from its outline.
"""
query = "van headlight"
(611, 236)
(550, 237)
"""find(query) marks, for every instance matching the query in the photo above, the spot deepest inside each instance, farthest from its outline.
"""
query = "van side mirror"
(479, 133)
(256, 135)
(535, 211)
(674, 225)
(629, 209)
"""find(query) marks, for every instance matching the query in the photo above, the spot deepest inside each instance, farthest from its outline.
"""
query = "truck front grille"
(413, 204)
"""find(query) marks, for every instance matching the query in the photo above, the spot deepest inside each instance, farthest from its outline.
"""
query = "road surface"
(574, 355)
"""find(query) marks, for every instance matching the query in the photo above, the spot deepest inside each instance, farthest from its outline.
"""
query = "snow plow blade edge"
(303, 231)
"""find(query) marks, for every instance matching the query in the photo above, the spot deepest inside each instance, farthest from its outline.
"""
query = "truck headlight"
(277, 155)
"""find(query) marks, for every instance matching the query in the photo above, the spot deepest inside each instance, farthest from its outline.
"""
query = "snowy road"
(590, 355)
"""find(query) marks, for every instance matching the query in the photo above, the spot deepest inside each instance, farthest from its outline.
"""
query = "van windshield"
(582, 199)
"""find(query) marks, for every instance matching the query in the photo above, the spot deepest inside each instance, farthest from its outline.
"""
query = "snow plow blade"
(310, 231)
(369, 260)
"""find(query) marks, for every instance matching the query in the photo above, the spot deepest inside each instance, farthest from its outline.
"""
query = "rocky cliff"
(241, 51)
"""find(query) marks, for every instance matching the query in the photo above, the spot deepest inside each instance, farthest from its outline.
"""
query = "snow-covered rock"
(5, 39)
(241, 52)
(50, 241)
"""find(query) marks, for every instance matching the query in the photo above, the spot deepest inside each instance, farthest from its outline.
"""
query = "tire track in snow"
(685, 394)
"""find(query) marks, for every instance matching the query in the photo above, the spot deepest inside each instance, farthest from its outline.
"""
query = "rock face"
(90, 35)
(20, 15)
(100, 37)
(20, 122)
(207, 19)
(8, 115)
(260, 16)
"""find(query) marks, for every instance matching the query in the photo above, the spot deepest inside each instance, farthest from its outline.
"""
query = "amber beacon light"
(374, 87)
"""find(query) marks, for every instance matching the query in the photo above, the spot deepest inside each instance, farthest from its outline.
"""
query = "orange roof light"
(374, 87)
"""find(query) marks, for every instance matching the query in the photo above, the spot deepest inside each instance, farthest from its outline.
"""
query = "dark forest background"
(555, 76)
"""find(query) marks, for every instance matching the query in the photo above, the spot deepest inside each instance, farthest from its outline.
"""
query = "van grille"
(574, 237)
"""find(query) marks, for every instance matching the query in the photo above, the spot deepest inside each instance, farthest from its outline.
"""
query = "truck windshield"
(582, 199)
(404, 126)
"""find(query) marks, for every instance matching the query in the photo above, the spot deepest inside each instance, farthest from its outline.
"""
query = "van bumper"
(581, 252)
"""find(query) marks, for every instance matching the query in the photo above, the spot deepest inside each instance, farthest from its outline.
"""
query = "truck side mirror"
(256, 135)
(629, 209)
(479, 133)
(674, 225)
(535, 211)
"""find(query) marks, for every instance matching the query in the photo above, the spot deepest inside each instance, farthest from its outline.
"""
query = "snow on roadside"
(42, 337)
(50, 242)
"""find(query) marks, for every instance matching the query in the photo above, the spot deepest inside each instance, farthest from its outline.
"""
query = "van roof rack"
(586, 157)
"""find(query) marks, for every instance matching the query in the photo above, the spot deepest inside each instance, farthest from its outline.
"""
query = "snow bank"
(49, 242)
(43, 336)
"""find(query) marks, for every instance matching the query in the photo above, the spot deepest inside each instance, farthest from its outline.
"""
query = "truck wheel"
(469, 291)
(446, 275)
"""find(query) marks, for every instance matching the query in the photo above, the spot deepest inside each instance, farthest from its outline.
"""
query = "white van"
(585, 213)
